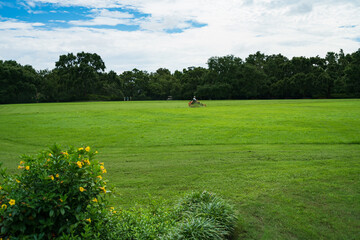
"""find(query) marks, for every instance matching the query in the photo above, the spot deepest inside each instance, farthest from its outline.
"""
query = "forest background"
(82, 77)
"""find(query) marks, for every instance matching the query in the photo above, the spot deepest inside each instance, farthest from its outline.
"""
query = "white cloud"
(18, 25)
(293, 28)
(105, 17)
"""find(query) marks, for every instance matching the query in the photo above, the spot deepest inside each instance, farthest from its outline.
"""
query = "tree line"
(82, 77)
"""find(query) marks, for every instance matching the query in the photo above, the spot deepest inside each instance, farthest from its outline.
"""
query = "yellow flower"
(80, 149)
(112, 208)
(89, 220)
(12, 202)
(17, 181)
(20, 167)
(48, 160)
(96, 152)
(61, 200)
(103, 189)
(4, 206)
(103, 169)
(79, 164)
(50, 154)
(101, 163)
(87, 149)
(95, 200)
(57, 175)
(1, 187)
(114, 211)
(27, 167)
(82, 189)
(87, 161)
(22, 162)
(100, 177)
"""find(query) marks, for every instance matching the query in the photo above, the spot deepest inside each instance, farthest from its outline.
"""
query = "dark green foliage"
(204, 216)
(196, 228)
(54, 193)
(18, 84)
(81, 77)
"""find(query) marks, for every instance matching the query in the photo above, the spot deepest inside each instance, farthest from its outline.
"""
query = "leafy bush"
(203, 215)
(196, 228)
(52, 194)
(146, 223)
(61, 195)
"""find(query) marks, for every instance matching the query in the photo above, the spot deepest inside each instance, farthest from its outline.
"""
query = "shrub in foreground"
(61, 195)
(52, 194)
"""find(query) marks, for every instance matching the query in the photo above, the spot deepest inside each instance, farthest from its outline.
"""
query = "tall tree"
(18, 84)
(79, 74)
(352, 74)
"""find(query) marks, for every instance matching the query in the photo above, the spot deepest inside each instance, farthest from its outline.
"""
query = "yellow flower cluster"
(87, 161)
(103, 169)
(80, 164)
(89, 220)
(95, 200)
(66, 154)
(112, 210)
(87, 149)
(82, 189)
(103, 189)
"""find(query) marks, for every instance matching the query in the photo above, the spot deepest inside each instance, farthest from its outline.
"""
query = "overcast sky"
(174, 34)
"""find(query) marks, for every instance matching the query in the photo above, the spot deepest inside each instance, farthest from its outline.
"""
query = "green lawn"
(291, 167)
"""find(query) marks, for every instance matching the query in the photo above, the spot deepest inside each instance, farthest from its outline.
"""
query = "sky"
(174, 34)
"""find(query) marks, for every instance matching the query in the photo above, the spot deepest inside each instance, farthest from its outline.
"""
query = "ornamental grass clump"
(203, 215)
(52, 194)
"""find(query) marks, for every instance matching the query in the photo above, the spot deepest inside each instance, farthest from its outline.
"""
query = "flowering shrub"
(61, 195)
(52, 194)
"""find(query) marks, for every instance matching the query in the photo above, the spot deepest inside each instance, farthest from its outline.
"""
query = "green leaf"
(51, 213)
(62, 211)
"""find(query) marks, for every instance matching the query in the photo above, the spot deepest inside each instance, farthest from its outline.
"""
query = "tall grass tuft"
(203, 215)
(194, 228)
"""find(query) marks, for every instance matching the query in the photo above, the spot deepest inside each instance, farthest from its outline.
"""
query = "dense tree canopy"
(82, 77)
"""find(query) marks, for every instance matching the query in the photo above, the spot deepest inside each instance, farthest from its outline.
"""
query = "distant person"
(194, 99)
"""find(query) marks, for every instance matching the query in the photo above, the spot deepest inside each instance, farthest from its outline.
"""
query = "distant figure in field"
(195, 103)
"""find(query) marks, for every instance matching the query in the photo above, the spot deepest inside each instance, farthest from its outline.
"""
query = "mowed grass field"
(291, 168)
